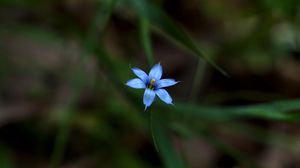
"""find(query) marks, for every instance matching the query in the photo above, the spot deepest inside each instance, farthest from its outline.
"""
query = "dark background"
(64, 63)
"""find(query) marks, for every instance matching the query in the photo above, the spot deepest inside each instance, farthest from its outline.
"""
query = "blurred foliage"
(63, 65)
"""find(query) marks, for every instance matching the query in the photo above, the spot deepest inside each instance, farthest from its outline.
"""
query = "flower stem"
(145, 36)
(152, 132)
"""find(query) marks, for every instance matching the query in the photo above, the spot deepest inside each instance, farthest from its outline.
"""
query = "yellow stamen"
(151, 84)
(152, 81)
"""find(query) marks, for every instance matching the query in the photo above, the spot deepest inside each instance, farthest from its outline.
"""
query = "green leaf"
(168, 27)
(272, 111)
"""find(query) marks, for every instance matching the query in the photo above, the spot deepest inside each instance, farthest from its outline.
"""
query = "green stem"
(145, 36)
(152, 132)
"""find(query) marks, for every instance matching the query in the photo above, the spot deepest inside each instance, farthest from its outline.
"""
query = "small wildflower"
(153, 84)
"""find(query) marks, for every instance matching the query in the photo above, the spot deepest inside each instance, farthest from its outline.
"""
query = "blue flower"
(153, 84)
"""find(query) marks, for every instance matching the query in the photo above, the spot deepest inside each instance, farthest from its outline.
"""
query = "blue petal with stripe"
(156, 72)
(136, 83)
(165, 83)
(164, 96)
(149, 96)
(141, 74)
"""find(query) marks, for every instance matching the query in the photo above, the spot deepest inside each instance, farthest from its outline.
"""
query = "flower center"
(151, 84)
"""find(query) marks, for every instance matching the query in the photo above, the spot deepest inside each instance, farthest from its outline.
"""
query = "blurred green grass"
(112, 130)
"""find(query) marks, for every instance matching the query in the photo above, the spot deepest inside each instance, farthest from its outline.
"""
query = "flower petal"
(136, 83)
(140, 73)
(165, 83)
(149, 96)
(164, 96)
(156, 72)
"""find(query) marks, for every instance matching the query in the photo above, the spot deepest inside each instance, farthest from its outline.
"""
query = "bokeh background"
(64, 63)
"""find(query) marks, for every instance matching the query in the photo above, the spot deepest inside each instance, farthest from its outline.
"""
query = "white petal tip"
(170, 103)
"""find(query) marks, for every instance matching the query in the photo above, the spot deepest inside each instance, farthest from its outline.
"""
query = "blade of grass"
(198, 78)
(272, 111)
(145, 36)
(168, 27)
